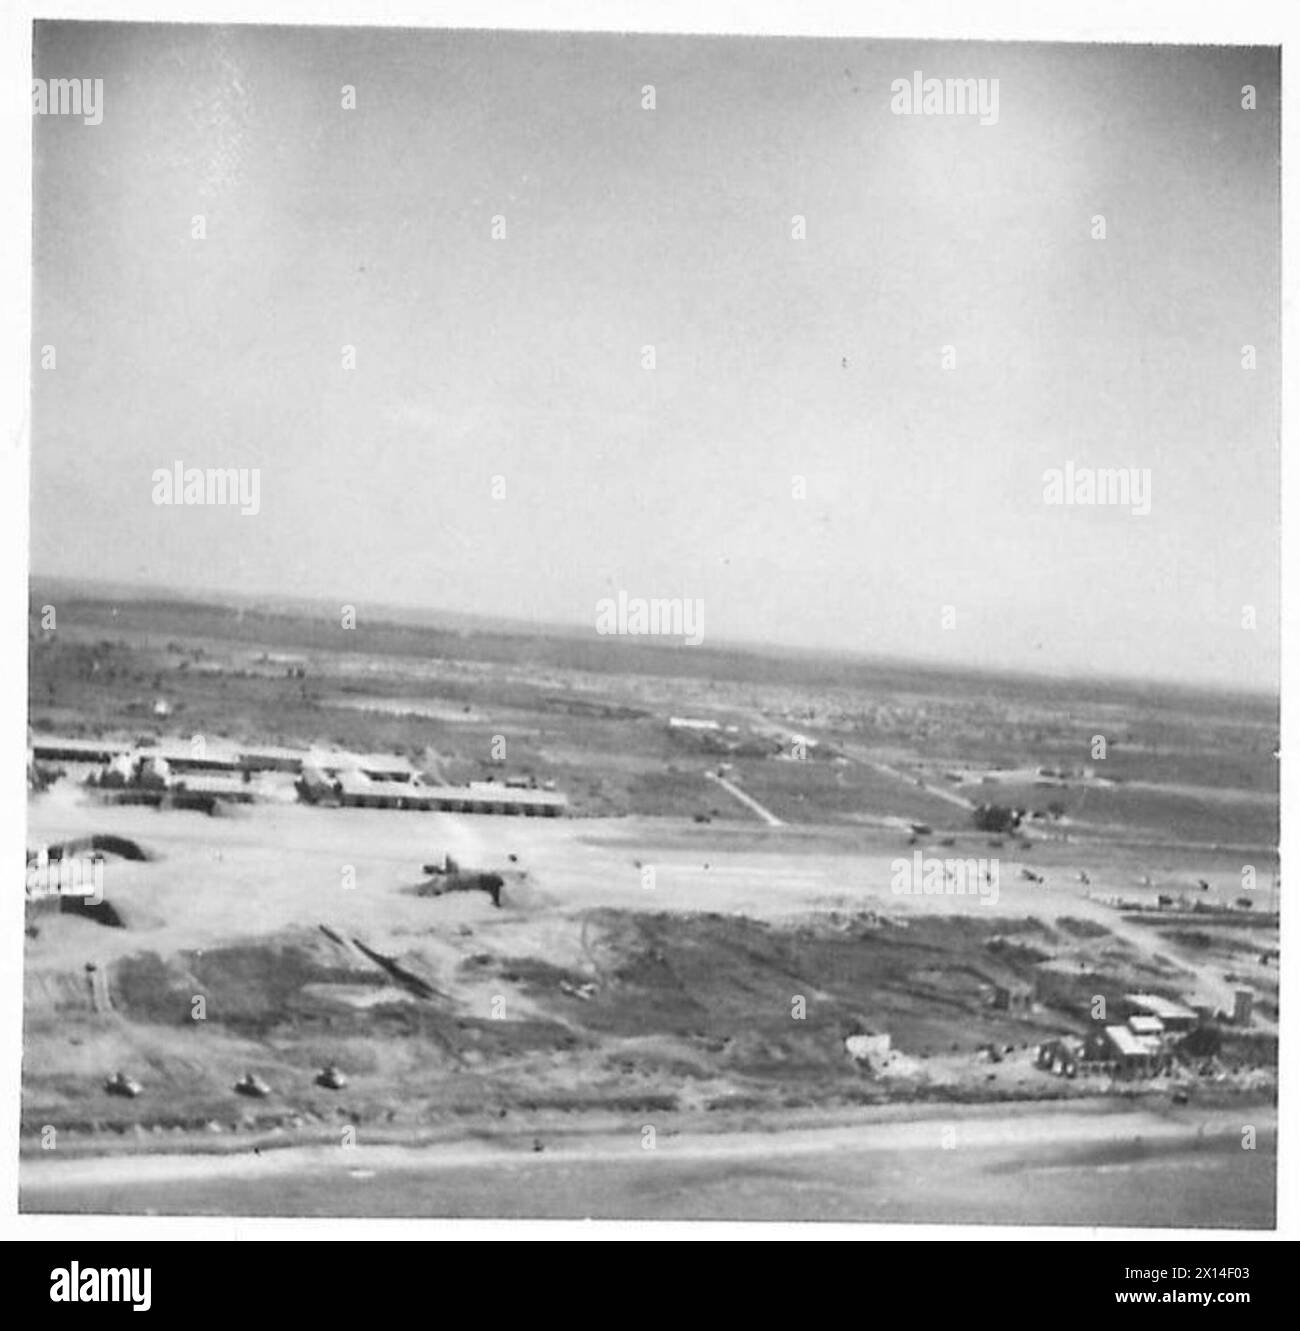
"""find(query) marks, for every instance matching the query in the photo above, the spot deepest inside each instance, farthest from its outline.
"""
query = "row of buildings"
(218, 770)
(357, 789)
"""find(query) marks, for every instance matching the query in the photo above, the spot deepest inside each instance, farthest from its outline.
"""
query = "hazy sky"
(775, 358)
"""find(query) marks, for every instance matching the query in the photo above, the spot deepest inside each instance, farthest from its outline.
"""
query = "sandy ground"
(269, 867)
(1051, 1165)
(274, 867)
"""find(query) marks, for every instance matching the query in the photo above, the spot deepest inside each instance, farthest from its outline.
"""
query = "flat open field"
(688, 952)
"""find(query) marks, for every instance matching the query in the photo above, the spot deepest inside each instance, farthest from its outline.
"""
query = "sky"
(800, 459)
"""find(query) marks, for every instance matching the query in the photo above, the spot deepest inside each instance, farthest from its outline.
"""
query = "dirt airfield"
(680, 972)
(597, 999)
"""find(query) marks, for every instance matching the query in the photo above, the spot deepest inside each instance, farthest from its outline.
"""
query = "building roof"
(1130, 1044)
(1146, 1025)
(214, 785)
(330, 760)
(1164, 1008)
(92, 748)
(496, 792)
(356, 783)
(278, 752)
(383, 762)
(212, 754)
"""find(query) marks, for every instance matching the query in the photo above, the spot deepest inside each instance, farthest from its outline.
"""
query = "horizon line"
(749, 646)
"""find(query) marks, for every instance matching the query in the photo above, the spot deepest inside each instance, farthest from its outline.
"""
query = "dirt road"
(747, 800)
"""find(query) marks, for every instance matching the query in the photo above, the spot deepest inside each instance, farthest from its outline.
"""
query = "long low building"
(185, 756)
(49, 749)
(271, 758)
(181, 753)
(356, 790)
(380, 767)
(462, 799)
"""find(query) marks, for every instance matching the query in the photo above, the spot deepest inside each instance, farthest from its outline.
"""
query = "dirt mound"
(114, 913)
(104, 842)
(102, 912)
